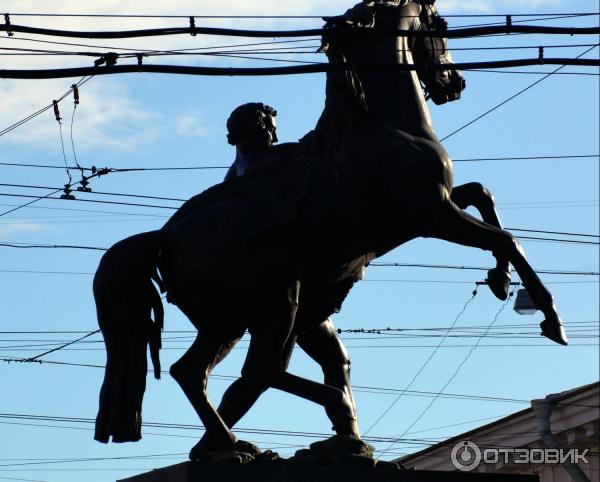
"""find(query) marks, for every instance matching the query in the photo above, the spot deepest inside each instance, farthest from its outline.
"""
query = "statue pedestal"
(283, 471)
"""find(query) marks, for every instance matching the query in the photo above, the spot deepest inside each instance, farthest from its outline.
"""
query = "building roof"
(557, 399)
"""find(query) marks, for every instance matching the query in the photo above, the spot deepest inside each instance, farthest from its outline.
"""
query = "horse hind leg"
(454, 225)
(191, 372)
(265, 366)
(476, 195)
(323, 345)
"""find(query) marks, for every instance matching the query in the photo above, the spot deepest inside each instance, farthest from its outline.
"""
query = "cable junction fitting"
(541, 55)
(508, 23)
(102, 171)
(193, 26)
(9, 31)
(110, 59)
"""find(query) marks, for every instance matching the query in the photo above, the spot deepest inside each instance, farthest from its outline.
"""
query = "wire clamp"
(193, 26)
(67, 193)
(508, 23)
(101, 172)
(541, 55)
(140, 59)
(110, 59)
(84, 185)
(75, 94)
(56, 111)
(9, 31)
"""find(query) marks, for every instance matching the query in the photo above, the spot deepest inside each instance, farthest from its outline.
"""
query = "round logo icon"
(465, 456)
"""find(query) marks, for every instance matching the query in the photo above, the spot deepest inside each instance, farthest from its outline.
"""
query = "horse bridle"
(440, 86)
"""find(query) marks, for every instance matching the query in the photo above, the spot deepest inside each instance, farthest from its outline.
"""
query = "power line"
(319, 17)
(557, 16)
(50, 196)
(49, 246)
(201, 168)
(163, 198)
(467, 32)
(530, 72)
(478, 268)
(512, 97)
(19, 123)
(429, 358)
(137, 50)
(312, 68)
(456, 371)
(101, 193)
(192, 333)
(19, 51)
(375, 264)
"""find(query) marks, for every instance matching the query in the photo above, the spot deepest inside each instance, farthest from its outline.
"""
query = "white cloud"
(8, 229)
(105, 106)
(192, 126)
(487, 6)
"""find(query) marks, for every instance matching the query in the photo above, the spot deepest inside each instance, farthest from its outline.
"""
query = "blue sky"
(148, 121)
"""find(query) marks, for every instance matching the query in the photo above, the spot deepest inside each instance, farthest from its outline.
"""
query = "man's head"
(251, 127)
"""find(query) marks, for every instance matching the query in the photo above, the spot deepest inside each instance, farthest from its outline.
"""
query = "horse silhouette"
(275, 251)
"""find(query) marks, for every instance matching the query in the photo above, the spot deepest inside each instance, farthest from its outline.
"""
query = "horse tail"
(125, 299)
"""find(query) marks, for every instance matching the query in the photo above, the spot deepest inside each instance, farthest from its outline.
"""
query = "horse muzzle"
(446, 86)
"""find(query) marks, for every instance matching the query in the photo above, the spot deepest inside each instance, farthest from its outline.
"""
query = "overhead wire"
(158, 206)
(455, 373)
(512, 97)
(308, 68)
(463, 32)
(272, 50)
(187, 168)
(424, 365)
(382, 264)
(271, 17)
(19, 123)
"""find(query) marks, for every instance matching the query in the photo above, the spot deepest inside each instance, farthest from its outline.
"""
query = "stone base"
(295, 471)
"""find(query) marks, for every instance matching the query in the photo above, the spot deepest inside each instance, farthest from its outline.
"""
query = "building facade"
(557, 438)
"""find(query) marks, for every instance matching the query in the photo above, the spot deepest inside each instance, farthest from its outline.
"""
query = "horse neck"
(395, 98)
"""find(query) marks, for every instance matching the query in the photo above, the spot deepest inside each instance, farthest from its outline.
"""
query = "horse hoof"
(242, 450)
(553, 329)
(499, 282)
(247, 448)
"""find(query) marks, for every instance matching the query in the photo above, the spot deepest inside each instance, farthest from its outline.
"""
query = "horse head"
(426, 49)
(441, 85)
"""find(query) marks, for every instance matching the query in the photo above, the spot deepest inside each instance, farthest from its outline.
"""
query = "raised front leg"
(476, 195)
(454, 225)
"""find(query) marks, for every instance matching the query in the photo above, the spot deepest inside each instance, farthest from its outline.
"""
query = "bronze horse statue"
(276, 251)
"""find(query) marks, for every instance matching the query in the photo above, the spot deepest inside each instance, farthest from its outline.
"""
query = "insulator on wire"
(75, 94)
(67, 193)
(56, 111)
(84, 185)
